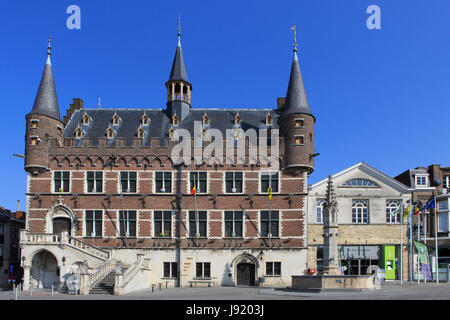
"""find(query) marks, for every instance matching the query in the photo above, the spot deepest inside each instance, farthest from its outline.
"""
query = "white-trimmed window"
(128, 181)
(34, 140)
(127, 223)
(273, 268)
(270, 223)
(170, 269)
(392, 216)
(271, 178)
(360, 211)
(234, 182)
(299, 122)
(34, 123)
(162, 222)
(319, 210)
(61, 181)
(198, 224)
(200, 180)
(93, 220)
(163, 181)
(203, 270)
(94, 181)
(446, 182)
(442, 212)
(421, 181)
(234, 224)
(299, 140)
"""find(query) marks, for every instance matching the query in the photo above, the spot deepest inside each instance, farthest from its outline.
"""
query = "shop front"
(357, 260)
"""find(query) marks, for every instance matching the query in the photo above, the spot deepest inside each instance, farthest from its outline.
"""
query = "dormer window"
(144, 120)
(110, 133)
(421, 181)
(299, 123)
(34, 123)
(86, 119)
(115, 119)
(205, 120)
(237, 120)
(171, 132)
(269, 119)
(140, 133)
(78, 133)
(175, 120)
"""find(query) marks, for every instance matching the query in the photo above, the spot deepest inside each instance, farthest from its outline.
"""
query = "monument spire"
(330, 232)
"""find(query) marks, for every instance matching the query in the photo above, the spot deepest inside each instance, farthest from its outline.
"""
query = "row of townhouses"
(106, 200)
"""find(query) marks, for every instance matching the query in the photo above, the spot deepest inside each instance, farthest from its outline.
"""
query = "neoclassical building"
(104, 191)
(369, 225)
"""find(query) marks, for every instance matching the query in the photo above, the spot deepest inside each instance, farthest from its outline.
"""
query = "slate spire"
(296, 100)
(46, 102)
(178, 71)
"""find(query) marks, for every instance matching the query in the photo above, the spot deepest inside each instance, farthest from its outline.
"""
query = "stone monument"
(331, 278)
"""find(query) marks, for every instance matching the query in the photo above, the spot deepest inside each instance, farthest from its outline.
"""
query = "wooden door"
(246, 274)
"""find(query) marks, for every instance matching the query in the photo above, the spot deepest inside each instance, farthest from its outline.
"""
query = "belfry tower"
(178, 86)
(296, 122)
(43, 123)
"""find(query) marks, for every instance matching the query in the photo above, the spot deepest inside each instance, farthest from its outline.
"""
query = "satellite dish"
(73, 282)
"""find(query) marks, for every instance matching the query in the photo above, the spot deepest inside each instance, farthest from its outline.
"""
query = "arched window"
(269, 119)
(237, 120)
(360, 183)
(110, 133)
(171, 132)
(360, 211)
(175, 120)
(115, 119)
(86, 119)
(392, 216)
(78, 133)
(144, 120)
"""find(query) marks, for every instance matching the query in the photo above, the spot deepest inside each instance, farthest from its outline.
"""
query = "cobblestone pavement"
(388, 291)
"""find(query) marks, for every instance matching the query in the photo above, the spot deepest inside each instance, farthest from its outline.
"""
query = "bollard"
(153, 288)
(52, 289)
(31, 290)
(160, 286)
(17, 293)
(167, 283)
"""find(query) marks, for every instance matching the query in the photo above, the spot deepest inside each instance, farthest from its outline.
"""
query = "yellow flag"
(407, 211)
(269, 191)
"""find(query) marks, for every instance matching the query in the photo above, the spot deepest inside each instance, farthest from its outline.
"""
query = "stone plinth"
(332, 283)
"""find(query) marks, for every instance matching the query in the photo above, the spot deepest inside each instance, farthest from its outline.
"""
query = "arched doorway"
(44, 269)
(61, 224)
(245, 274)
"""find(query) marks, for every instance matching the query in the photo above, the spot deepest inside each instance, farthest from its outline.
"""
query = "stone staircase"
(106, 285)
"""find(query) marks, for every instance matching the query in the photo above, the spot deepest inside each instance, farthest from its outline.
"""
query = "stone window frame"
(162, 224)
(173, 274)
(119, 187)
(299, 121)
(272, 274)
(319, 204)
(261, 191)
(201, 274)
(190, 186)
(188, 224)
(422, 177)
(34, 123)
(392, 205)
(164, 181)
(224, 189)
(85, 223)
(302, 143)
(34, 140)
(119, 224)
(86, 189)
(356, 205)
(62, 179)
(224, 222)
(270, 220)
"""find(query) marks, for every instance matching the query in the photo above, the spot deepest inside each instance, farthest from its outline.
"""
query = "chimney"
(76, 105)
(18, 205)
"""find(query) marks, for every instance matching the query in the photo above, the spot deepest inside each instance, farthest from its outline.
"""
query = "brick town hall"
(106, 200)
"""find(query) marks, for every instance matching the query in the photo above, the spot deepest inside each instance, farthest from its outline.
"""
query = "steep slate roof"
(160, 123)
(46, 102)
(178, 71)
(296, 100)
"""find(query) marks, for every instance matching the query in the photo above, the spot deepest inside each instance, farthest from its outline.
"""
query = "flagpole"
(435, 240)
(425, 237)
(401, 244)
(195, 205)
(418, 239)
(411, 269)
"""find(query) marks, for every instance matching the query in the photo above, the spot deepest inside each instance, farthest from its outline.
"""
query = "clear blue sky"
(379, 96)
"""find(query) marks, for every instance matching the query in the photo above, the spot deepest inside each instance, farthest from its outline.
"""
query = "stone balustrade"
(88, 280)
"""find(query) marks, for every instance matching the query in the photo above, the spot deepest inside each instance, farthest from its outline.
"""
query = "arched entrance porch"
(245, 269)
(44, 269)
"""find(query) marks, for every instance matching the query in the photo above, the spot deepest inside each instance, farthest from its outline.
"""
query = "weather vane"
(179, 24)
(295, 38)
(49, 52)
